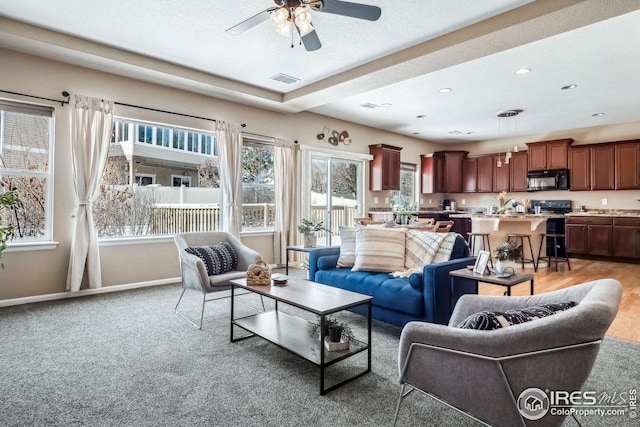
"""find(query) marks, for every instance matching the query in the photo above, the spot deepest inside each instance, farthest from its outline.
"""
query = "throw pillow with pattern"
(491, 320)
(219, 258)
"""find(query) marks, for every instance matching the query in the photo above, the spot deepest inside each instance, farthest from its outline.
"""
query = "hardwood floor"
(626, 325)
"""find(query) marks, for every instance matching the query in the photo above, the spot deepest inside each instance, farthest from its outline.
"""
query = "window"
(176, 192)
(408, 182)
(180, 180)
(26, 149)
(258, 189)
(145, 179)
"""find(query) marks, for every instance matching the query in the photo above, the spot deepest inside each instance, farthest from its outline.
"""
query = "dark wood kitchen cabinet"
(518, 170)
(546, 155)
(602, 167)
(469, 175)
(580, 168)
(589, 235)
(432, 174)
(485, 174)
(500, 174)
(384, 169)
(453, 170)
(627, 168)
(626, 237)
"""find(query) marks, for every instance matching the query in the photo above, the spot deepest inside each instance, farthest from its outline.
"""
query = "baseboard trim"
(86, 292)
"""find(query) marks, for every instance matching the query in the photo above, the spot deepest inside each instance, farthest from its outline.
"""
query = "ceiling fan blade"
(311, 41)
(354, 10)
(248, 24)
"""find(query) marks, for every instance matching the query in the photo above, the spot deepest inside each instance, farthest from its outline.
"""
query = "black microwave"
(552, 179)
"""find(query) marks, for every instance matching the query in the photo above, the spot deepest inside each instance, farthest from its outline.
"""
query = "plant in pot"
(505, 203)
(7, 199)
(402, 208)
(308, 228)
(335, 329)
(507, 254)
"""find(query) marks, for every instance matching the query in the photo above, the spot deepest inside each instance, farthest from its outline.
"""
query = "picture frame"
(480, 266)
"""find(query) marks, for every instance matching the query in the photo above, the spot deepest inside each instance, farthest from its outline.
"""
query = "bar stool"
(484, 239)
(521, 237)
(556, 245)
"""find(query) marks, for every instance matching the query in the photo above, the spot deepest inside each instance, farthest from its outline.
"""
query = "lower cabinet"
(589, 235)
(603, 236)
(462, 226)
(626, 237)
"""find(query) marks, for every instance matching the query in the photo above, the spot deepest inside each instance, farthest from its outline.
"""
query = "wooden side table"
(508, 282)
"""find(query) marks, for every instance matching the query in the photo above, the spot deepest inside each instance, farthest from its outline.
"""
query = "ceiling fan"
(290, 14)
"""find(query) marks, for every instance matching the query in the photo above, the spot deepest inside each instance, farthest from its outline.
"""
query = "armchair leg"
(204, 298)
(400, 397)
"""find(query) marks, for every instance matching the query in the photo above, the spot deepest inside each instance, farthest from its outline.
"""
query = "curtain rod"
(61, 101)
(67, 95)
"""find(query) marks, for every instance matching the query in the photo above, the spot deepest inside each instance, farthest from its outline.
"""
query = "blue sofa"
(424, 296)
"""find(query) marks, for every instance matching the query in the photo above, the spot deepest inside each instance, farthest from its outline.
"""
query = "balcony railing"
(182, 218)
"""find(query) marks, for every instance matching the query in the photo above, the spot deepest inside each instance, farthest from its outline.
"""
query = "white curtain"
(285, 164)
(91, 123)
(229, 137)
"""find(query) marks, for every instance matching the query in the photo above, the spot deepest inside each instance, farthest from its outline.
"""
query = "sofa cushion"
(219, 258)
(379, 249)
(491, 320)
(421, 247)
(347, 247)
(395, 294)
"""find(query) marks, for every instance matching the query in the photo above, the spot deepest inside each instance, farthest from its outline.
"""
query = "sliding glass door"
(336, 196)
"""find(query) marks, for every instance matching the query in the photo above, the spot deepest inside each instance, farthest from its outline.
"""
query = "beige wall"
(29, 273)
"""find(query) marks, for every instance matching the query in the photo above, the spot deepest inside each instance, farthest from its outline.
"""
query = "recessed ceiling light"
(421, 116)
(370, 105)
(385, 105)
(445, 90)
(455, 132)
(569, 87)
(416, 133)
(522, 71)
(597, 115)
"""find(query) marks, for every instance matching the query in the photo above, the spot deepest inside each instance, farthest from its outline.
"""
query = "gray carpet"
(125, 359)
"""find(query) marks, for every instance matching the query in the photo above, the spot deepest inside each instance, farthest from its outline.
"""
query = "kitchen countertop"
(515, 216)
(611, 213)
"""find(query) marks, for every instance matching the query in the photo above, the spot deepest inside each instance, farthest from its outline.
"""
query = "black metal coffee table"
(295, 334)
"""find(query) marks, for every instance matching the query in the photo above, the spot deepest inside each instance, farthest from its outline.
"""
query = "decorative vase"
(501, 266)
(310, 240)
(403, 219)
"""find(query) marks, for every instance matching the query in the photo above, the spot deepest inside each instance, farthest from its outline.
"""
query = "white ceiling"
(414, 49)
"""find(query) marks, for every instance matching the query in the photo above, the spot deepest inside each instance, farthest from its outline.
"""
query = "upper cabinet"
(602, 166)
(384, 169)
(518, 170)
(627, 170)
(432, 173)
(485, 174)
(580, 168)
(453, 171)
(469, 175)
(548, 154)
(500, 174)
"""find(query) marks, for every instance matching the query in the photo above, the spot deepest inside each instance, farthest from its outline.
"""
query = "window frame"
(248, 141)
(46, 240)
(413, 169)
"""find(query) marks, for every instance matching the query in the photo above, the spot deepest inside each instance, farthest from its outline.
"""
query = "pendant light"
(507, 114)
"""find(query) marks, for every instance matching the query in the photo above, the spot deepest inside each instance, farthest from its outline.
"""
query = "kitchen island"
(499, 226)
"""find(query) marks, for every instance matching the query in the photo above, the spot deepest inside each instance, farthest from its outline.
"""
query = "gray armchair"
(483, 373)
(194, 272)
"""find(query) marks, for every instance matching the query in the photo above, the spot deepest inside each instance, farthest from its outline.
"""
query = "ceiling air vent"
(285, 79)
(369, 105)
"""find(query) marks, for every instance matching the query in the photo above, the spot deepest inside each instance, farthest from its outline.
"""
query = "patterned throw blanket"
(425, 247)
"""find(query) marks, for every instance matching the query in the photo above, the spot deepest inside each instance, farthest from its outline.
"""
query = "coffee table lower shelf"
(299, 337)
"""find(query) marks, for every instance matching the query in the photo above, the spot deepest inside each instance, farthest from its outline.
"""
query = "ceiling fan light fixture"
(303, 20)
(281, 19)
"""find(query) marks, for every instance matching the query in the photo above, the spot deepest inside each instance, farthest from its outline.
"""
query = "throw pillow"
(491, 320)
(421, 247)
(219, 258)
(347, 247)
(379, 249)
